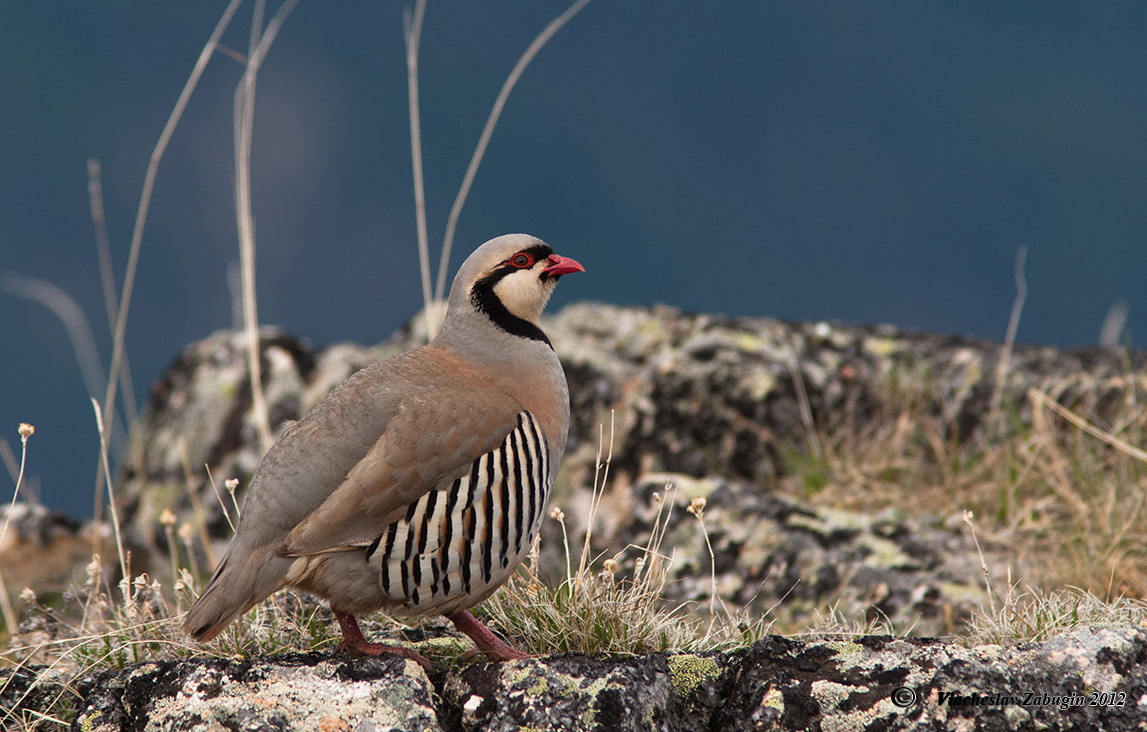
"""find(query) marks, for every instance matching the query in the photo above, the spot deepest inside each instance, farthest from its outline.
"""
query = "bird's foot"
(356, 644)
(494, 647)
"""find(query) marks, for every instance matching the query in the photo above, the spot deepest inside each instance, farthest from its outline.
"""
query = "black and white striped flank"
(464, 541)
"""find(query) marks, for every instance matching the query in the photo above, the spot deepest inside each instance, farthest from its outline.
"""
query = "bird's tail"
(236, 587)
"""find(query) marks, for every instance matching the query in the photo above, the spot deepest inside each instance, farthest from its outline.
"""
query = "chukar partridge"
(419, 484)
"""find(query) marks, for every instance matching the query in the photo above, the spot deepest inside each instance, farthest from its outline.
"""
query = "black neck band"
(484, 298)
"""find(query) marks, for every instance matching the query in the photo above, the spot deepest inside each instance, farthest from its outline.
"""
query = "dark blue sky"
(875, 162)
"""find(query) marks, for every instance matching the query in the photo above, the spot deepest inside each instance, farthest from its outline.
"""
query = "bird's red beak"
(561, 265)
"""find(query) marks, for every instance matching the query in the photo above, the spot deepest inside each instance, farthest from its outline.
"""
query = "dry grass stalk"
(527, 56)
(994, 414)
(412, 33)
(107, 285)
(118, 353)
(25, 431)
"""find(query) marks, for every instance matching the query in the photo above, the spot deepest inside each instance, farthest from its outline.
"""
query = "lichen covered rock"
(305, 693)
(780, 555)
(1085, 679)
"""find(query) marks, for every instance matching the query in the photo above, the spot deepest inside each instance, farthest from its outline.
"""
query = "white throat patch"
(523, 294)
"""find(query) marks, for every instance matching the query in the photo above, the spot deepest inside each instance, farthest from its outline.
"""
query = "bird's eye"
(521, 260)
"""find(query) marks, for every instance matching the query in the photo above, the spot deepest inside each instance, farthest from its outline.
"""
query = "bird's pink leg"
(494, 647)
(356, 644)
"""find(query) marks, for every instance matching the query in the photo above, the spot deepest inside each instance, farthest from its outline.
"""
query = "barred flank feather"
(467, 539)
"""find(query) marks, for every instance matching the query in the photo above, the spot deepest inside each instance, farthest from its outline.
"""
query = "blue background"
(858, 162)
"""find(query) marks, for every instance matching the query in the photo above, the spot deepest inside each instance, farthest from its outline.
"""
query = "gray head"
(507, 281)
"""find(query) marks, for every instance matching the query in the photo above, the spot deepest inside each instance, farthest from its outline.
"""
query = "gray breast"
(455, 546)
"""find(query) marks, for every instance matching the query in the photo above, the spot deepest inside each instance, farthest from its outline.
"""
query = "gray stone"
(773, 553)
(306, 693)
(1085, 679)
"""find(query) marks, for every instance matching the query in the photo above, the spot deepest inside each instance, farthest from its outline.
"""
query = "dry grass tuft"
(615, 606)
(1060, 500)
(1035, 615)
(1063, 496)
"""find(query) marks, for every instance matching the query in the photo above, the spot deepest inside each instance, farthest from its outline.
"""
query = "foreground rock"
(1086, 679)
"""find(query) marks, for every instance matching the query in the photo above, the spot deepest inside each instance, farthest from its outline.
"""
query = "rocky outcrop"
(698, 395)
(700, 401)
(709, 401)
(786, 558)
(689, 406)
(1086, 679)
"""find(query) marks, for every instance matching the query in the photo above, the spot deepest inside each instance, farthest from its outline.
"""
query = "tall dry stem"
(994, 418)
(137, 231)
(413, 36)
(484, 139)
(107, 285)
(25, 430)
(111, 490)
(600, 475)
(244, 124)
(259, 43)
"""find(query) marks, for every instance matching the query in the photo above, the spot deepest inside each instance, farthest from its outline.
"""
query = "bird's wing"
(432, 438)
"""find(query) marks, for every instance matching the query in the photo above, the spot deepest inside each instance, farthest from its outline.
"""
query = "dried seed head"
(696, 507)
(609, 566)
(557, 514)
(231, 483)
(28, 596)
(167, 518)
(26, 430)
(186, 532)
(186, 579)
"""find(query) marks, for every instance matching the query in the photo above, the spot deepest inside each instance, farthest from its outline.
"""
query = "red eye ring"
(522, 260)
